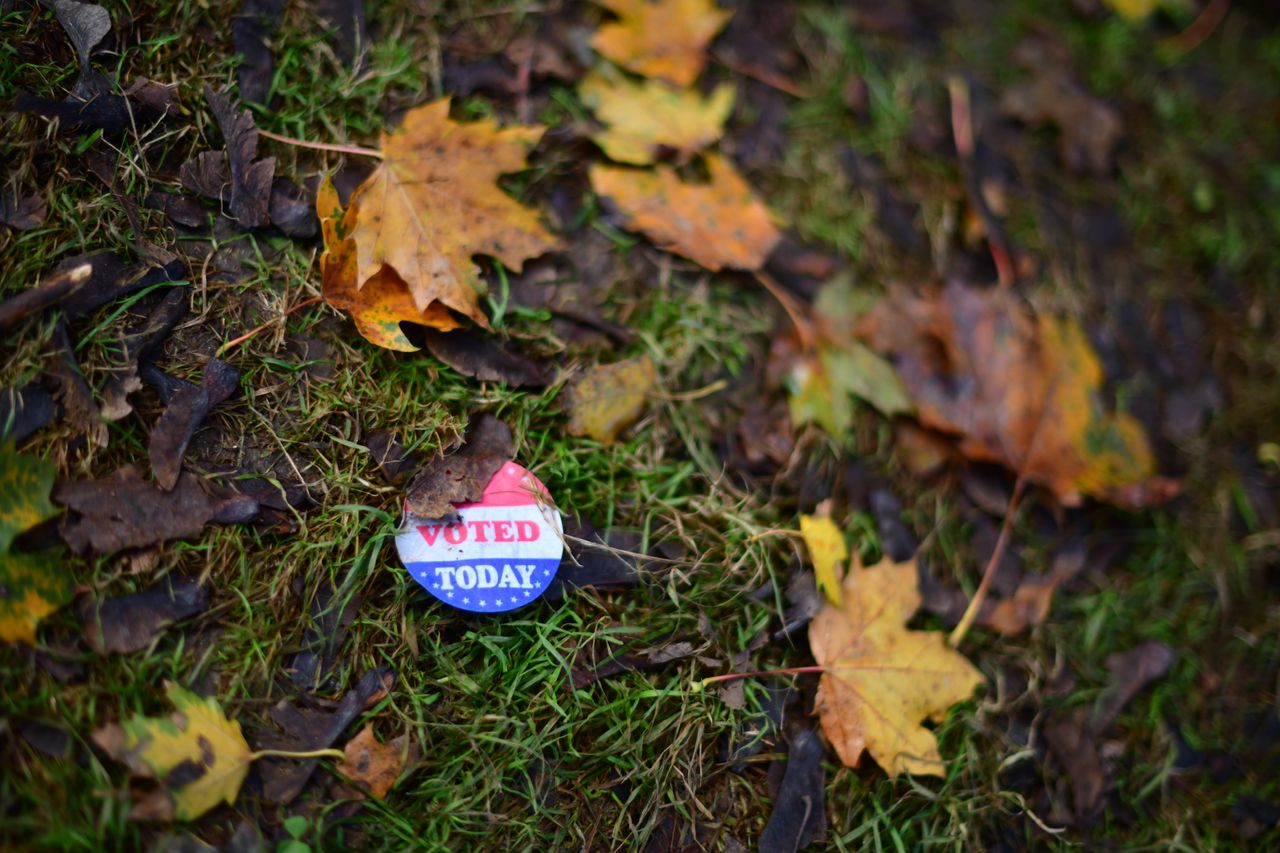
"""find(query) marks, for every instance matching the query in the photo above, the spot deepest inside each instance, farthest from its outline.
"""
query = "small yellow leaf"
(643, 117)
(828, 552)
(882, 680)
(1134, 10)
(197, 740)
(718, 224)
(610, 397)
(660, 38)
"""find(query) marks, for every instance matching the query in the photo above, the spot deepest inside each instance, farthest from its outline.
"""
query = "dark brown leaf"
(183, 414)
(21, 212)
(799, 815)
(252, 26)
(309, 725)
(124, 511)
(474, 353)
(24, 411)
(1131, 671)
(461, 476)
(235, 178)
(131, 622)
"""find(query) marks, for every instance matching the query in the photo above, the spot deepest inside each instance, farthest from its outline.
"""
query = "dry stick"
(249, 334)
(980, 595)
(1201, 28)
(44, 294)
(962, 130)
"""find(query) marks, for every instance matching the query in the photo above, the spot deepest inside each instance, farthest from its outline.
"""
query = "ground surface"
(1167, 253)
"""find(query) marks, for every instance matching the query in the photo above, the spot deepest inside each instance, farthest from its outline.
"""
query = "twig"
(966, 144)
(1201, 28)
(322, 146)
(249, 334)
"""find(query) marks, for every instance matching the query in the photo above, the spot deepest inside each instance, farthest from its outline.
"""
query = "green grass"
(513, 756)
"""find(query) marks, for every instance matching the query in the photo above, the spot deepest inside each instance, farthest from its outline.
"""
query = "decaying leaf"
(717, 224)
(31, 585)
(1019, 390)
(434, 202)
(199, 757)
(660, 38)
(129, 623)
(234, 176)
(641, 118)
(473, 353)
(610, 398)
(374, 765)
(124, 511)
(828, 552)
(881, 679)
(460, 476)
(1090, 128)
(184, 411)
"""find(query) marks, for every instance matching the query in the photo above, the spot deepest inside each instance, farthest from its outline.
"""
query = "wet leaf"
(799, 816)
(473, 353)
(383, 302)
(185, 411)
(881, 679)
(129, 623)
(660, 38)
(610, 398)
(374, 765)
(717, 224)
(86, 24)
(460, 476)
(1019, 390)
(124, 511)
(199, 757)
(31, 585)
(233, 176)
(827, 551)
(642, 118)
(434, 202)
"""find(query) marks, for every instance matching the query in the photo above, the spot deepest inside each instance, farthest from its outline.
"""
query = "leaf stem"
(997, 553)
(733, 676)
(322, 146)
(284, 753)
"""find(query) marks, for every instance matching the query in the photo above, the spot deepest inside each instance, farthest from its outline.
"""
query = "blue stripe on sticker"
(485, 586)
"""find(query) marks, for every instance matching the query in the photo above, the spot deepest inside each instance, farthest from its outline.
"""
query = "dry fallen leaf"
(199, 756)
(383, 302)
(641, 118)
(610, 397)
(660, 38)
(376, 765)
(881, 679)
(31, 585)
(1019, 390)
(717, 224)
(434, 202)
(1134, 10)
(827, 551)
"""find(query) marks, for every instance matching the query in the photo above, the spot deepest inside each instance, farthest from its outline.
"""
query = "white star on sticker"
(526, 593)
(466, 601)
(449, 595)
(546, 572)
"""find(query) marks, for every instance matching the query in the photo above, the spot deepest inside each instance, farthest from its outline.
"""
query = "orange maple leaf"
(434, 202)
(666, 38)
(383, 303)
(718, 224)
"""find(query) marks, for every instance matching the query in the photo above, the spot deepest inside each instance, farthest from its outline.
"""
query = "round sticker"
(500, 554)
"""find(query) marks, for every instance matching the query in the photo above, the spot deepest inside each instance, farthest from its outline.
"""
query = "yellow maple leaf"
(31, 585)
(610, 397)
(882, 680)
(660, 38)
(827, 550)
(383, 303)
(434, 202)
(207, 749)
(643, 117)
(717, 224)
